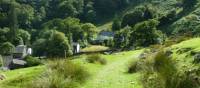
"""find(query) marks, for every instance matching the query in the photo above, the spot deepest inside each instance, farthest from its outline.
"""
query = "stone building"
(15, 60)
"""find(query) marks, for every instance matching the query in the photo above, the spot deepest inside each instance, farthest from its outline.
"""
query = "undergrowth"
(61, 74)
(96, 58)
(159, 70)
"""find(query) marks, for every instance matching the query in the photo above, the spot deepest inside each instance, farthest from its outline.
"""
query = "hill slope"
(112, 75)
(183, 21)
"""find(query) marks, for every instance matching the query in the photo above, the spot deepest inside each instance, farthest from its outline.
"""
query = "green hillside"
(112, 75)
(99, 43)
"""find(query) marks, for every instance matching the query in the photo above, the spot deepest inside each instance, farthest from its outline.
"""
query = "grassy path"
(114, 74)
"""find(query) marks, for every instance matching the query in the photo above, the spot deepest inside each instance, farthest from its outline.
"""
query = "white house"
(76, 48)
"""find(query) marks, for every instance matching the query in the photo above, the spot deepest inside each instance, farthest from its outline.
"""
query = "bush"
(121, 38)
(96, 58)
(1, 61)
(139, 14)
(133, 67)
(145, 33)
(53, 44)
(160, 71)
(157, 70)
(31, 61)
(61, 74)
(6, 48)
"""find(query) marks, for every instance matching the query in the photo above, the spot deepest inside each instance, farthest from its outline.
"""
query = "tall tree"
(145, 33)
(13, 20)
(187, 4)
(116, 24)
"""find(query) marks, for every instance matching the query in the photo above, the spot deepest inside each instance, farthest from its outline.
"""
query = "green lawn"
(114, 74)
(21, 77)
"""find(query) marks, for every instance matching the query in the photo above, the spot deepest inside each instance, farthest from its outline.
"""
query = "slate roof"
(20, 49)
(19, 62)
(107, 33)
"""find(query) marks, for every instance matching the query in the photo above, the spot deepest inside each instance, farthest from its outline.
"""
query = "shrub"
(132, 67)
(1, 61)
(121, 38)
(160, 71)
(52, 44)
(139, 14)
(96, 58)
(145, 33)
(152, 80)
(61, 74)
(31, 61)
(116, 24)
(6, 48)
(157, 70)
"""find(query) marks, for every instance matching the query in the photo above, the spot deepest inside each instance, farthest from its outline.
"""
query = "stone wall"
(7, 60)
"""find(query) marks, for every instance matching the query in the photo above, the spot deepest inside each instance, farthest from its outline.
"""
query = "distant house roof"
(107, 33)
(20, 49)
(75, 44)
(19, 62)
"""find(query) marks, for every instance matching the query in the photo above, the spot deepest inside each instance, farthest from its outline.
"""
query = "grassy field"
(112, 75)
(95, 48)
(21, 77)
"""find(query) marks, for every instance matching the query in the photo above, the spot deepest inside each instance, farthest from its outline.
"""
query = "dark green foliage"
(109, 7)
(167, 18)
(72, 28)
(138, 15)
(13, 21)
(89, 31)
(133, 67)
(89, 13)
(145, 33)
(187, 4)
(187, 25)
(109, 43)
(4, 34)
(53, 44)
(64, 8)
(160, 71)
(4, 19)
(26, 16)
(121, 38)
(1, 61)
(96, 58)
(116, 26)
(61, 74)
(6, 48)
(58, 45)
(32, 61)
(24, 35)
(39, 47)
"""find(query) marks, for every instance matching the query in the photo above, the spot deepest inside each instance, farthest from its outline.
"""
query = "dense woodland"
(57, 23)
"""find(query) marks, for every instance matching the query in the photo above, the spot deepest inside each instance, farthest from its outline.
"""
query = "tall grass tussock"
(159, 70)
(61, 74)
(96, 58)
